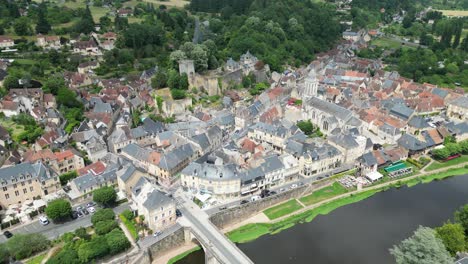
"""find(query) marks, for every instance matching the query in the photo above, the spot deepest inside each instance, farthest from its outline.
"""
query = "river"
(361, 232)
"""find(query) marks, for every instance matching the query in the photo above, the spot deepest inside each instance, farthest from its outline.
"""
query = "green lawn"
(445, 174)
(183, 255)
(16, 129)
(437, 165)
(282, 209)
(323, 194)
(37, 259)
(130, 227)
(388, 43)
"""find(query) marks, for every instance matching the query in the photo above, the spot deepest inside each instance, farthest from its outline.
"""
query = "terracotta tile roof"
(248, 145)
(42, 155)
(67, 154)
(434, 134)
(9, 105)
(95, 168)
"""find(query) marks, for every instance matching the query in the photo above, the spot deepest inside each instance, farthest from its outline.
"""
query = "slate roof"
(418, 122)
(460, 102)
(13, 174)
(136, 152)
(202, 140)
(153, 127)
(102, 108)
(170, 160)
(440, 92)
(330, 108)
(368, 159)
(401, 111)
(157, 199)
(411, 143)
(211, 171)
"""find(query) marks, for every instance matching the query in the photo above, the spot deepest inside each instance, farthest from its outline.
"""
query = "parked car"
(79, 208)
(43, 220)
(178, 213)
(265, 193)
(222, 208)
(85, 211)
(273, 193)
(91, 209)
(244, 202)
(300, 184)
(294, 186)
(255, 198)
(282, 190)
(157, 233)
(7, 234)
(90, 204)
(79, 214)
(74, 215)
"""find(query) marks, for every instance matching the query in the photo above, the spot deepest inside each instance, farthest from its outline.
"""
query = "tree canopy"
(58, 209)
(105, 195)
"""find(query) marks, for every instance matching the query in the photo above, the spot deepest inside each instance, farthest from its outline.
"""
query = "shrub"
(128, 214)
(69, 256)
(25, 245)
(102, 215)
(93, 249)
(66, 177)
(82, 233)
(104, 227)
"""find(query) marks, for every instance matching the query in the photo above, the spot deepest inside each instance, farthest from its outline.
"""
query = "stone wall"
(168, 243)
(239, 213)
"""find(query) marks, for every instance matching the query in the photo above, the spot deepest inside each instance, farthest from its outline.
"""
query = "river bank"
(254, 230)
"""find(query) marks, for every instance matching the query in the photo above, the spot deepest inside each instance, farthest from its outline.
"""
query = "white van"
(43, 220)
(255, 198)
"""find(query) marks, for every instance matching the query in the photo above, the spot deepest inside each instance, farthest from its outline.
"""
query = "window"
(31, 189)
(25, 191)
(7, 196)
(14, 185)
(156, 218)
(29, 182)
(16, 193)
(5, 188)
(163, 215)
(22, 183)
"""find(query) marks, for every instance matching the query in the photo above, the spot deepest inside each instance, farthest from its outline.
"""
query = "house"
(173, 162)
(60, 162)
(49, 101)
(124, 12)
(350, 35)
(458, 109)
(48, 42)
(6, 42)
(220, 181)
(10, 108)
(5, 138)
(86, 48)
(144, 158)
(82, 187)
(87, 67)
(158, 209)
(96, 168)
(127, 178)
(26, 181)
(352, 146)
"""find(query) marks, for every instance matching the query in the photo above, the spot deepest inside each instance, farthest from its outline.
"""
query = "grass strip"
(282, 209)
(438, 165)
(130, 227)
(323, 194)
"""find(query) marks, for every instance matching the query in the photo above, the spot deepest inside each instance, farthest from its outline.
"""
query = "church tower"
(311, 85)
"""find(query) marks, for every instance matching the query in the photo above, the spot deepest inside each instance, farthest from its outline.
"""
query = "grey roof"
(402, 111)
(85, 182)
(102, 108)
(462, 261)
(311, 150)
(346, 141)
(136, 152)
(52, 113)
(440, 92)
(391, 102)
(274, 129)
(391, 130)
(214, 133)
(211, 171)
(330, 108)
(409, 142)
(170, 160)
(24, 171)
(126, 172)
(418, 122)
(138, 132)
(460, 102)
(156, 199)
(152, 127)
(459, 129)
(368, 159)
(202, 140)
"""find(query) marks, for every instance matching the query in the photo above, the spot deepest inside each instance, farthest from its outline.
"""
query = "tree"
(4, 254)
(422, 247)
(66, 177)
(120, 23)
(42, 26)
(183, 81)
(117, 241)
(178, 94)
(105, 22)
(53, 83)
(58, 209)
(159, 80)
(453, 237)
(128, 214)
(173, 79)
(86, 23)
(461, 217)
(23, 246)
(22, 26)
(102, 215)
(105, 196)
(306, 126)
(104, 227)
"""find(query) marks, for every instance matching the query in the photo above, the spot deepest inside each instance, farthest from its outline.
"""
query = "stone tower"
(311, 85)
(186, 66)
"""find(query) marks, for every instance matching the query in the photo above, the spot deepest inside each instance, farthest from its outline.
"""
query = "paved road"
(278, 189)
(53, 230)
(150, 240)
(209, 235)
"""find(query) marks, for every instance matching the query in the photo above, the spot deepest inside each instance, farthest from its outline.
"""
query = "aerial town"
(142, 167)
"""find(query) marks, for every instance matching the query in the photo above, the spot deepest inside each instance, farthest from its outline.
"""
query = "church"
(329, 117)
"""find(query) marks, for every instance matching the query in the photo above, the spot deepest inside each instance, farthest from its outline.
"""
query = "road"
(287, 186)
(208, 234)
(147, 241)
(52, 230)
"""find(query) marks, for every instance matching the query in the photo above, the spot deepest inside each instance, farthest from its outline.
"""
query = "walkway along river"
(361, 232)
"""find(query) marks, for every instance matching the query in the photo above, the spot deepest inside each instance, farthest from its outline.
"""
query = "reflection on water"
(361, 232)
